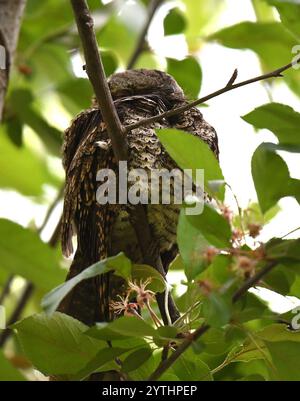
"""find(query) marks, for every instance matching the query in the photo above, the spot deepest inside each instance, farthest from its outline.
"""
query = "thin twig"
(116, 132)
(154, 5)
(290, 232)
(167, 363)
(273, 74)
(51, 208)
(27, 292)
(6, 288)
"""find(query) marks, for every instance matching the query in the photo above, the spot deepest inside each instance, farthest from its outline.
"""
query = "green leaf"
(168, 332)
(201, 15)
(23, 253)
(219, 270)
(122, 328)
(271, 41)
(174, 22)
(278, 332)
(282, 120)
(283, 346)
(192, 245)
(110, 61)
(285, 356)
(216, 310)
(213, 226)
(269, 190)
(15, 131)
(187, 73)
(190, 152)
(143, 272)
(250, 308)
(136, 359)
(214, 342)
(118, 37)
(289, 11)
(143, 372)
(119, 263)
(21, 101)
(28, 173)
(280, 280)
(253, 215)
(75, 94)
(38, 27)
(102, 359)
(8, 372)
(282, 249)
(263, 11)
(190, 367)
(56, 345)
(148, 60)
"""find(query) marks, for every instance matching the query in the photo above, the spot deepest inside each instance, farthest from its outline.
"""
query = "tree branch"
(253, 280)
(11, 12)
(154, 5)
(117, 136)
(96, 74)
(167, 363)
(228, 87)
(6, 288)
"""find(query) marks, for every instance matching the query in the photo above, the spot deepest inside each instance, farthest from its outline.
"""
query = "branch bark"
(11, 12)
(117, 136)
(228, 87)
(153, 7)
(167, 363)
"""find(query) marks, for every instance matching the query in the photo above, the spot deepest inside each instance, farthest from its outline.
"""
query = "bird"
(104, 230)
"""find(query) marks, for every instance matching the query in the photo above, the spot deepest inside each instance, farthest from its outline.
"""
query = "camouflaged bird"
(104, 230)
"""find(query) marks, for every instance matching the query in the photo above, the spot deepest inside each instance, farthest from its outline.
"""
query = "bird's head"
(143, 82)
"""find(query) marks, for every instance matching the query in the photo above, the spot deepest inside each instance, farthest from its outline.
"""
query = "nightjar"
(104, 230)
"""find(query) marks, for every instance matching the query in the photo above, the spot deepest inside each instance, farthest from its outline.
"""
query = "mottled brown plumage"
(104, 230)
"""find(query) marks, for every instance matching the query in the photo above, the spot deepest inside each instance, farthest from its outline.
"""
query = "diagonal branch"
(228, 87)
(96, 74)
(154, 5)
(167, 363)
(117, 135)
